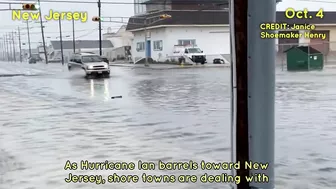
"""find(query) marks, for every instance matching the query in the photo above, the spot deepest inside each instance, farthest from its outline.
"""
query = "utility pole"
(100, 36)
(2, 50)
(261, 89)
(242, 135)
(10, 48)
(13, 40)
(73, 36)
(145, 45)
(60, 29)
(20, 44)
(30, 53)
(42, 31)
(7, 47)
(255, 77)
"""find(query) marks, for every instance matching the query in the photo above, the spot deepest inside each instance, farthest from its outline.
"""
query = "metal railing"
(327, 48)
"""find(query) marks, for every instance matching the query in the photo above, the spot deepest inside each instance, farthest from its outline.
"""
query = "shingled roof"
(81, 44)
(216, 17)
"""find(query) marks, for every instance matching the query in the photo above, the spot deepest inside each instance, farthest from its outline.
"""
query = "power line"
(86, 34)
(318, 1)
(185, 2)
(62, 31)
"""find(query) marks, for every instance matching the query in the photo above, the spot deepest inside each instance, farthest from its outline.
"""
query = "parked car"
(218, 61)
(31, 60)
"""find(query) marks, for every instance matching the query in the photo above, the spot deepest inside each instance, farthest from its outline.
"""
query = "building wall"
(331, 40)
(155, 35)
(161, 5)
(213, 40)
(139, 8)
(200, 5)
(120, 39)
(332, 35)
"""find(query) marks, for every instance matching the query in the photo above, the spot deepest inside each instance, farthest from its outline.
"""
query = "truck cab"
(195, 54)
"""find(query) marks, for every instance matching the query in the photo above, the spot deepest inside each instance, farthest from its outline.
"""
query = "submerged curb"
(169, 67)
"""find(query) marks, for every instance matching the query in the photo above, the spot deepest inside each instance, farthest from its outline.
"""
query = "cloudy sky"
(89, 30)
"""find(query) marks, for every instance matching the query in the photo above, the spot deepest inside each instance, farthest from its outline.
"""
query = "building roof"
(306, 49)
(217, 17)
(82, 44)
(185, 2)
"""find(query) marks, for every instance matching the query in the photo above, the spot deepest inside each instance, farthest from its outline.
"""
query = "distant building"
(81, 46)
(149, 6)
(202, 23)
(122, 42)
(206, 25)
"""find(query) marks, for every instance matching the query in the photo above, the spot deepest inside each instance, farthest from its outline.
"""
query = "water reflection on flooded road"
(169, 115)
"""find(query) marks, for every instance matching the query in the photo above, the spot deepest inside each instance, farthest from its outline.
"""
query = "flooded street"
(51, 115)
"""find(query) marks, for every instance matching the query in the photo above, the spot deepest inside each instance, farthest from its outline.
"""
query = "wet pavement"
(53, 115)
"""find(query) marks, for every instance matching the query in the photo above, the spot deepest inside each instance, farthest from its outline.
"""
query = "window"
(158, 45)
(187, 42)
(195, 50)
(86, 59)
(140, 46)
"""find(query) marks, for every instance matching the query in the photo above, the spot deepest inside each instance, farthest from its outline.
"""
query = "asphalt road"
(51, 115)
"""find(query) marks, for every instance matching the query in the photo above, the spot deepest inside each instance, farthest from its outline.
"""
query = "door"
(148, 49)
(319, 44)
(76, 62)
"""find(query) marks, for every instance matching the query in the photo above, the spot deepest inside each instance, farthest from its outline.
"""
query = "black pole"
(14, 52)
(10, 48)
(7, 48)
(100, 39)
(2, 50)
(20, 44)
(30, 53)
(60, 29)
(42, 31)
(242, 137)
(73, 36)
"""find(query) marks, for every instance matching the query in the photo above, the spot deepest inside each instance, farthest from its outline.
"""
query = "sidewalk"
(170, 66)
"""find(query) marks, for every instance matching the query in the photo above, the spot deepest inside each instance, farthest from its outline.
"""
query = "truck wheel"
(106, 75)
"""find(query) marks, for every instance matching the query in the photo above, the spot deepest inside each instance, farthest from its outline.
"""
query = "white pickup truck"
(193, 53)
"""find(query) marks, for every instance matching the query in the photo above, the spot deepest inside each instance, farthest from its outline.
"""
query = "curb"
(170, 67)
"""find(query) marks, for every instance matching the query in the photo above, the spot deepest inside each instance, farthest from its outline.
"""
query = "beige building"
(322, 38)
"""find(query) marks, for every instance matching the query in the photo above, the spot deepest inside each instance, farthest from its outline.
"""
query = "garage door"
(319, 44)
(285, 43)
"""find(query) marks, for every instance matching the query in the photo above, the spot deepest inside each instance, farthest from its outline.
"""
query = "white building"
(213, 40)
(208, 30)
(139, 8)
(122, 42)
(81, 46)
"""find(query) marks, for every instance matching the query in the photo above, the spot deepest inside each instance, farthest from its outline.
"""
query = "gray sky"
(89, 30)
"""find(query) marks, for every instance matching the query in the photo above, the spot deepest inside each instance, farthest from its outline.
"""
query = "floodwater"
(51, 115)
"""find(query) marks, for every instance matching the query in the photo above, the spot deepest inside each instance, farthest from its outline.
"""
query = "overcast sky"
(89, 30)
